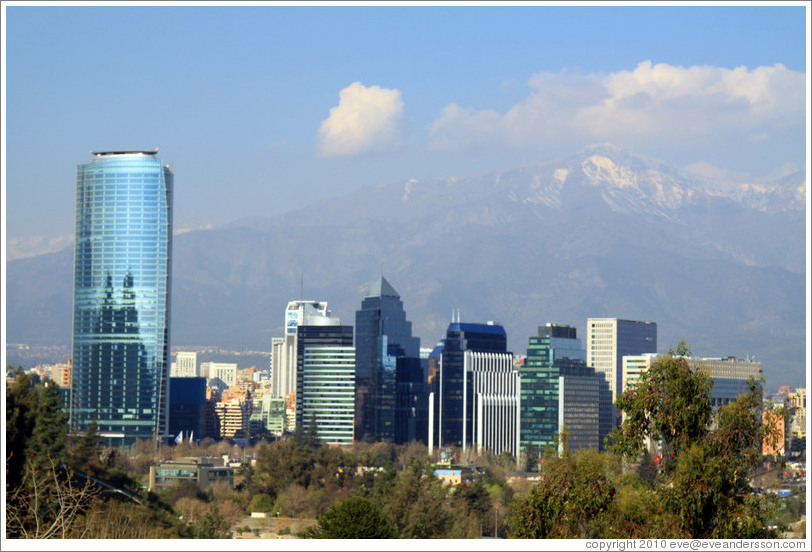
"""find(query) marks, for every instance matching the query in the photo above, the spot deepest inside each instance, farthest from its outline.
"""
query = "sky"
(266, 108)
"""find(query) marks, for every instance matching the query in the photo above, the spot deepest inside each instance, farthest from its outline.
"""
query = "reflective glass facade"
(558, 388)
(383, 337)
(451, 413)
(121, 296)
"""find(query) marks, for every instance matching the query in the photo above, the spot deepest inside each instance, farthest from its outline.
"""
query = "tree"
(705, 471)
(211, 526)
(670, 403)
(261, 503)
(21, 404)
(573, 493)
(49, 435)
(47, 503)
(353, 518)
(414, 502)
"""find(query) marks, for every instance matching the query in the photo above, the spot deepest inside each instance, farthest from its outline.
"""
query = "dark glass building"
(187, 407)
(559, 389)
(453, 393)
(121, 296)
(383, 340)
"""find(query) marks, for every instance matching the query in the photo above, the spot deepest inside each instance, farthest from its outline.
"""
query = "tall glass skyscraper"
(382, 337)
(122, 279)
(474, 398)
(559, 389)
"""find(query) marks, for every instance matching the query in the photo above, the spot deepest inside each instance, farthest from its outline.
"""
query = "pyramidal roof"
(382, 288)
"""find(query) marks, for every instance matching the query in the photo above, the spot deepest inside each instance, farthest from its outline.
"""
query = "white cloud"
(366, 119)
(659, 102)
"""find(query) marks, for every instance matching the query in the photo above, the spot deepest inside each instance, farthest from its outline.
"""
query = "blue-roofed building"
(474, 399)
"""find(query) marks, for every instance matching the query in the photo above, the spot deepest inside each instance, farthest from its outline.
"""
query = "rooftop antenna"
(301, 286)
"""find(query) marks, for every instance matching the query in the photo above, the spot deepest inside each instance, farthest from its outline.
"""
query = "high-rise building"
(317, 331)
(729, 374)
(559, 391)
(185, 365)
(121, 300)
(187, 407)
(474, 400)
(609, 340)
(328, 392)
(283, 349)
(383, 336)
(221, 375)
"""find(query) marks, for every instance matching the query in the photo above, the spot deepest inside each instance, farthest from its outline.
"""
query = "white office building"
(283, 350)
(185, 365)
(328, 392)
(610, 339)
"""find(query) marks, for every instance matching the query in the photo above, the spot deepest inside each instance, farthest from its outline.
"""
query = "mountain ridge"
(523, 246)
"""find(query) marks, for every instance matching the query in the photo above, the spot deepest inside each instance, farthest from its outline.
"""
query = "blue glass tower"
(383, 340)
(452, 411)
(121, 296)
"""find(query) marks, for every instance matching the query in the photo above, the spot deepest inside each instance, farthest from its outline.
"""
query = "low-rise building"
(201, 471)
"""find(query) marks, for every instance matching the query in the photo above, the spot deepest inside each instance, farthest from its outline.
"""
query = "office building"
(200, 471)
(474, 399)
(317, 331)
(221, 375)
(185, 365)
(121, 300)
(283, 349)
(187, 407)
(558, 391)
(328, 392)
(383, 338)
(729, 374)
(609, 340)
(268, 415)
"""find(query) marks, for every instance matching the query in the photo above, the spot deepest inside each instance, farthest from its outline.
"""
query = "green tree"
(48, 439)
(706, 467)
(261, 503)
(670, 403)
(574, 491)
(21, 404)
(415, 502)
(212, 525)
(353, 518)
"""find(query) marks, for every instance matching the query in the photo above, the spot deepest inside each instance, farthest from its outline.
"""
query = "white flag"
(179, 438)
(191, 437)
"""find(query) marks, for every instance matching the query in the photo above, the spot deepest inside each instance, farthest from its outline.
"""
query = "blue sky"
(264, 109)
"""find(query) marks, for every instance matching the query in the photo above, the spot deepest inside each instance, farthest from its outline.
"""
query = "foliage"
(700, 489)
(706, 467)
(36, 428)
(212, 525)
(414, 502)
(670, 403)
(573, 491)
(261, 503)
(122, 520)
(353, 518)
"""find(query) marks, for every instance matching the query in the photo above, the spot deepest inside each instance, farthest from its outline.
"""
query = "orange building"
(774, 443)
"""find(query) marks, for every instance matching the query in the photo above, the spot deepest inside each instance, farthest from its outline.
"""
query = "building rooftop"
(124, 152)
(382, 288)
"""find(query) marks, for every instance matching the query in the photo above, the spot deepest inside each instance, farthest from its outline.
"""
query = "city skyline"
(262, 128)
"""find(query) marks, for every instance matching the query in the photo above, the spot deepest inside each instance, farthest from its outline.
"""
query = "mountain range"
(603, 233)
